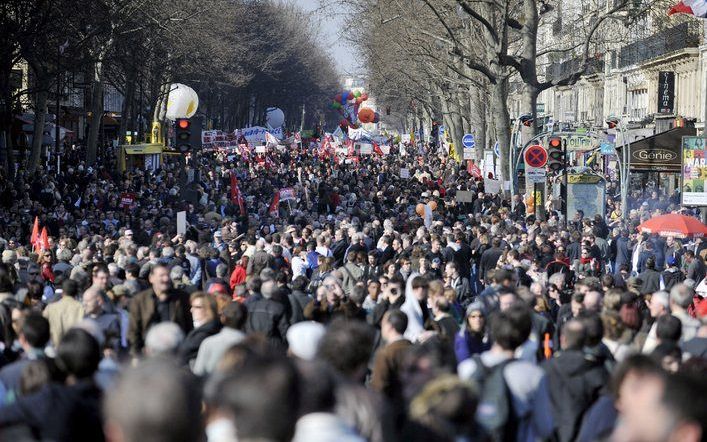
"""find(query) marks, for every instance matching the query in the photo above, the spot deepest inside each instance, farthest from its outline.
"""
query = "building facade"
(624, 79)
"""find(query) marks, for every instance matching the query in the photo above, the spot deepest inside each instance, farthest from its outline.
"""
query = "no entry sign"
(535, 156)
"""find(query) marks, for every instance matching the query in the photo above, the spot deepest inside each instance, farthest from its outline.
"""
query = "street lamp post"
(624, 161)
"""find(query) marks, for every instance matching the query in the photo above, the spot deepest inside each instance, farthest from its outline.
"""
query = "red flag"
(236, 196)
(377, 149)
(35, 233)
(274, 206)
(44, 240)
(234, 188)
(697, 8)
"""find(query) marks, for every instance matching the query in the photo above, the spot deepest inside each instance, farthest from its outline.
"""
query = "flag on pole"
(453, 153)
(274, 206)
(271, 140)
(298, 137)
(236, 196)
(35, 234)
(377, 148)
(44, 240)
(698, 8)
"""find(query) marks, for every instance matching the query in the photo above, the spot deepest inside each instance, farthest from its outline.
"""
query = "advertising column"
(694, 172)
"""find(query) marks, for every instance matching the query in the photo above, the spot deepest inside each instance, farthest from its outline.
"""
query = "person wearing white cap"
(303, 339)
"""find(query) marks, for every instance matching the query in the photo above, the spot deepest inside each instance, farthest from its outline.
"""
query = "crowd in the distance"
(369, 307)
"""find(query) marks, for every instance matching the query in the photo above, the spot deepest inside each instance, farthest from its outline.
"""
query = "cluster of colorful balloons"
(367, 115)
(347, 103)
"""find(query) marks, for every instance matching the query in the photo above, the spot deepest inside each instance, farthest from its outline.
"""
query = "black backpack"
(495, 414)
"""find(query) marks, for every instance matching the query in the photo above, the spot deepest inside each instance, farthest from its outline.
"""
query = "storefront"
(655, 160)
(140, 156)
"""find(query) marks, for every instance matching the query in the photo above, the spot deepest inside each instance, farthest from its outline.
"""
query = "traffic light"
(188, 134)
(555, 154)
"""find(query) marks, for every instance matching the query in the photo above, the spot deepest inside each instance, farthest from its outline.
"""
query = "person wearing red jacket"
(239, 273)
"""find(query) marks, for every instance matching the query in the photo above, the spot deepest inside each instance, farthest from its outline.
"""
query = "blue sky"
(330, 25)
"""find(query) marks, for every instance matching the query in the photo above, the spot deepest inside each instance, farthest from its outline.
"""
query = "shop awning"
(660, 152)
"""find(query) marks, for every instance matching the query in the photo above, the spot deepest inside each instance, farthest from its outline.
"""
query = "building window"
(638, 103)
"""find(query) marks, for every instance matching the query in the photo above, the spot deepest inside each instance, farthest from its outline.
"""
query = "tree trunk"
(128, 106)
(481, 109)
(96, 115)
(499, 105)
(6, 118)
(40, 112)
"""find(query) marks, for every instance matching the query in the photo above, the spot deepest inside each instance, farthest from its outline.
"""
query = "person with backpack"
(575, 379)
(514, 400)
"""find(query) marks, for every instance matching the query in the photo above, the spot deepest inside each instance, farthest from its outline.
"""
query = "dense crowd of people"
(318, 297)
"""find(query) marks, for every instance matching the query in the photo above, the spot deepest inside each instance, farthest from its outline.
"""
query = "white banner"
(365, 148)
(254, 134)
(492, 186)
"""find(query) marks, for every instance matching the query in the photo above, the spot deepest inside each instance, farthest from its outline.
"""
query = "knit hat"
(476, 306)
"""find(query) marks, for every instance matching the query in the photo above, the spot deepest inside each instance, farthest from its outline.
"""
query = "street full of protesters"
(365, 306)
(493, 231)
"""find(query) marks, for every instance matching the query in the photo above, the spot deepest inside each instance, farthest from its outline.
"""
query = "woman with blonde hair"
(204, 312)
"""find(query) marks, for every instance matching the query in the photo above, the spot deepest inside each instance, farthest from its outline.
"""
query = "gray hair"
(221, 270)
(681, 295)
(65, 255)
(268, 289)
(176, 273)
(663, 298)
(113, 269)
(163, 339)
(557, 278)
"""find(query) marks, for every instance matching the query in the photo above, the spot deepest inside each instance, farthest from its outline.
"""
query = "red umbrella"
(676, 225)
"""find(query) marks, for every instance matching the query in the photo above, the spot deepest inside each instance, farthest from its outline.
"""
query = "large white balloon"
(275, 117)
(182, 102)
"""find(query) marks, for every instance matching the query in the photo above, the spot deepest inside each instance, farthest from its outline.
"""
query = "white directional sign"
(536, 174)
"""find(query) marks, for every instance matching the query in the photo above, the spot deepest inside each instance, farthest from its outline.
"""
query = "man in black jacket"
(268, 317)
(575, 380)
(490, 258)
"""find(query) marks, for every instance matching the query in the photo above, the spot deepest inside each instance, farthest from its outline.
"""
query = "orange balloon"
(433, 205)
(365, 115)
(420, 209)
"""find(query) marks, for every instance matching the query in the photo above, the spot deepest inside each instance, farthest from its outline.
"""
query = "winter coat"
(190, 346)
(268, 317)
(575, 381)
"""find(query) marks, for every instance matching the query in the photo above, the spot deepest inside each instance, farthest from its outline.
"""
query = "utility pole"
(301, 125)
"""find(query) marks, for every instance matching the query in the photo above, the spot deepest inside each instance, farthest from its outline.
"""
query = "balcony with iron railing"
(557, 71)
(684, 35)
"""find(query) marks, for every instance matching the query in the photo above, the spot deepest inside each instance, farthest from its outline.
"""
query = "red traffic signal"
(556, 154)
(187, 134)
